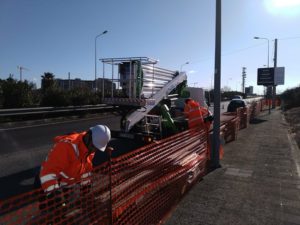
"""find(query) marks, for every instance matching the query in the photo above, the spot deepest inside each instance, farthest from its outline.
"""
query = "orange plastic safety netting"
(78, 204)
(243, 115)
(254, 109)
(140, 187)
(231, 129)
(148, 182)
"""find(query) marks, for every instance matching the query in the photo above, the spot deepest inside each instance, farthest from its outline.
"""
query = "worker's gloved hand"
(101, 157)
(209, 118)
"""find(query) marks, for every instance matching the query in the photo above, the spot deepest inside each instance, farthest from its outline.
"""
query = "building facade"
(249, 90)
(69, 84)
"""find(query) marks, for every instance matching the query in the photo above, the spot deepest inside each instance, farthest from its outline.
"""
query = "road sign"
(269, 76)
(265, 76)
(279, 76)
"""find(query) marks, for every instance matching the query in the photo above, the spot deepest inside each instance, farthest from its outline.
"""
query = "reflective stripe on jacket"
(67, 163)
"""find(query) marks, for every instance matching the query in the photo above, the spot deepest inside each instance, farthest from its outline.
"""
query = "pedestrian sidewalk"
(259, 182)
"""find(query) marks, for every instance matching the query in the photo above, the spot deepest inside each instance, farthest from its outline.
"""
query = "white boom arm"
(136, 116)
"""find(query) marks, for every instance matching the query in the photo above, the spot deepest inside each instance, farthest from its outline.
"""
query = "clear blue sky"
(58, 36)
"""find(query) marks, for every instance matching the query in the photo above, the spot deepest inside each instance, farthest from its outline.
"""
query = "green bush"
(55, 97)
(291, 98)
(80, 96)
(16, 94)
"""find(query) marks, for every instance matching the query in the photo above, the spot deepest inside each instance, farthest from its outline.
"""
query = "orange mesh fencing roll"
(78, 204)
(140, 187)
(243, 114)
(143, 181)
(231, 129)
(255, 109)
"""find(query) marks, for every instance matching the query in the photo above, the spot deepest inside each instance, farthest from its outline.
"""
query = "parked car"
(236, 103)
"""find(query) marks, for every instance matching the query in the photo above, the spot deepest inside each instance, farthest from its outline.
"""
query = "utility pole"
(215, 156)
(69, 78)
(275, 65)
(243, 79)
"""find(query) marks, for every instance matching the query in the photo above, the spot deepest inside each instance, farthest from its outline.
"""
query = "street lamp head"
(183, 65)
(268, 45)
(104, 32)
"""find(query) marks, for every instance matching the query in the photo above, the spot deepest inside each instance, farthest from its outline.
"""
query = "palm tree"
(48, 81)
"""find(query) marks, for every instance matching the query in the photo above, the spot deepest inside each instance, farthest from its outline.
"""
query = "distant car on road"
(237, 97)
(236, 103)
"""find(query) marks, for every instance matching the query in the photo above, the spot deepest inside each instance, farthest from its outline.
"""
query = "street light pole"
(104, 32)
(268, 58)
(183, 65)
(215, 155)
(268, 46)
(275, 65)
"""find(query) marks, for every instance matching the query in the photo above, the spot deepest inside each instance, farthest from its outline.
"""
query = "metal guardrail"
(68, 109)
(51, 110)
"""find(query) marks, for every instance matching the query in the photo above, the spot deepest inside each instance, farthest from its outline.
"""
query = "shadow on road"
(24, 181)
(17, 183)
(257, 121)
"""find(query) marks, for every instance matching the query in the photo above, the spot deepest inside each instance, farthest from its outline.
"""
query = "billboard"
(270, 76)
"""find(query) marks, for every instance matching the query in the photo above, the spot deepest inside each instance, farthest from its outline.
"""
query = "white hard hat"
(100, 136)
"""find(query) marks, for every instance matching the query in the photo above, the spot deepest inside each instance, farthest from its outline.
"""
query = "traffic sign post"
(269, 96)
(265, 76)
(270, 77)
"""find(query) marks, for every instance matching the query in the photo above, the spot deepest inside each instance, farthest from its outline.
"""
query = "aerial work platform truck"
(150, 99)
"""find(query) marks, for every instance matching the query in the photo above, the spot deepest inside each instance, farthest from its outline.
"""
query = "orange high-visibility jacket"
(195, 114)
(67, 163)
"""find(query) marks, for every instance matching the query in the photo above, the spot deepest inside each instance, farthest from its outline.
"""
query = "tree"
(226, 89)
(48, 81)
(51, 94)
(15, 93)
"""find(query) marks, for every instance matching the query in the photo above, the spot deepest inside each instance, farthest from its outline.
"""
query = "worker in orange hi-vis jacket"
(199, 116)
(70, 160)
(65, 175)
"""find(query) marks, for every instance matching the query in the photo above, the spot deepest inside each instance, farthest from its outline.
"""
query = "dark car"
(234, 104)
(237, 97)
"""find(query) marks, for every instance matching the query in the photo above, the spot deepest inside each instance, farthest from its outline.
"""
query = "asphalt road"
(24, 147)
(223, 107)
